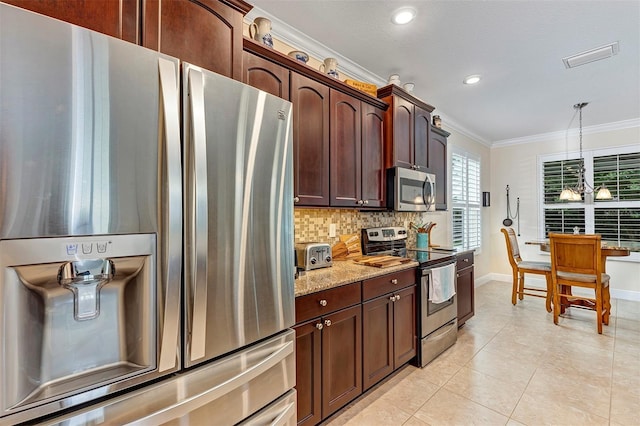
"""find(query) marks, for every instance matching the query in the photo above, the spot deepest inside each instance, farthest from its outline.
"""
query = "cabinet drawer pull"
(323, 302)
(319, 326)
(465, 260)
(394, 281)
(296, 199)
(327, 323)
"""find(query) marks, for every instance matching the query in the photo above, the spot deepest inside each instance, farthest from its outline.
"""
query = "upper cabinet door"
(310, 141)
(345, 153)
(438, 164)
(266, 75)
(206, 33)
(421, 138)
(402, 126)
(116, 18)
(373, 170)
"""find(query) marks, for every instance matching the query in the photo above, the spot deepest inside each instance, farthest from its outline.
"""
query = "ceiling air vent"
(602, 52)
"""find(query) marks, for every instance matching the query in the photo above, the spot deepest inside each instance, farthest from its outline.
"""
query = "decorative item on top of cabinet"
(407, 123)
(206, 33)
(260, 31)
(465, 287)
(328, 351)
(438, 164)
(116, 18)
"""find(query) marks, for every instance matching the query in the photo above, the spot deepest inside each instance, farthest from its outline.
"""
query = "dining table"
(608, 250)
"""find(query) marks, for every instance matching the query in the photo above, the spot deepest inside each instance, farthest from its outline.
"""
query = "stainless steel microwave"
(410, 190)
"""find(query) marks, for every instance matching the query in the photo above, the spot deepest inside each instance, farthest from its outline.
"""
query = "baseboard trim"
(540, 282)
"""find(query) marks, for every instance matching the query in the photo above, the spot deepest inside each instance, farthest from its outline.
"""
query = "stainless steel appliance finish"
(93, 298)
(313, 255)
(410, 190)
(222, 393)
(437, 322)
(239, 187)
(390, 241)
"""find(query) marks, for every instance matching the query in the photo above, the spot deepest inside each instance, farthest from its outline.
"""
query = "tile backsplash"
(312, 225)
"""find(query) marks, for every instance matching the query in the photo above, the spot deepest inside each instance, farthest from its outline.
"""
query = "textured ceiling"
(517, 47)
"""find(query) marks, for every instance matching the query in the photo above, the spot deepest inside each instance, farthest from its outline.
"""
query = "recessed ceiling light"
(472, 79)
(403, 16)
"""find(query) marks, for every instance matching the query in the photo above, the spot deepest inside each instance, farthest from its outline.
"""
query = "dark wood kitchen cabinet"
(388, 325)
(206, 33)
(310, 141)
(116, 18)
(265, 75)
(438, 164)
(328, 351)
(338, 131)
(465, 287)
(406, 129)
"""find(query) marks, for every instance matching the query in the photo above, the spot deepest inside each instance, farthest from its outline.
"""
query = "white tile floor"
(513, 366)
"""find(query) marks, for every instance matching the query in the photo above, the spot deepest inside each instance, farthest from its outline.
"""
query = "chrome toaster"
(313, 255)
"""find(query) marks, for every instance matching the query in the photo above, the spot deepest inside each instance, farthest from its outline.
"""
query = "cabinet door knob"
(457, 275)
(296, 199)
(319, 326)
(327, 323)
(360, 202)
(392, 298)
(394, 281)
(323, 302)
(366, 201)
(465, 260)
(397, 297)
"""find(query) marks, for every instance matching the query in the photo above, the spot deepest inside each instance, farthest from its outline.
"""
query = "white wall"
(516, 166)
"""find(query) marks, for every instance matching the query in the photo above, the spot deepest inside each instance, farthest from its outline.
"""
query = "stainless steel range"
(437, 323)
(437, 320)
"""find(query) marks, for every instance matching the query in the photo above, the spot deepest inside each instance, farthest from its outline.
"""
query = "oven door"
(435, 315)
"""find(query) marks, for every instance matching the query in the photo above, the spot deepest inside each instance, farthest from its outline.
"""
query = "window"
(617, 220)
(465, 200)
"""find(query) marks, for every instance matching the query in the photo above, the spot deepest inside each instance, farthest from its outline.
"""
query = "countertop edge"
(341, 273)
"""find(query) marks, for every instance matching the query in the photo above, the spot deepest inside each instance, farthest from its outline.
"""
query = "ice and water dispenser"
(76, 313)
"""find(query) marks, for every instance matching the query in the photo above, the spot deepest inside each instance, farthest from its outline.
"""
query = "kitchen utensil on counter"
(348, 247)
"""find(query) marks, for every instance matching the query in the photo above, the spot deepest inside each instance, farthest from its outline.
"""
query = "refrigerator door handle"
(199, 229)
(181, 408)
(171, 258)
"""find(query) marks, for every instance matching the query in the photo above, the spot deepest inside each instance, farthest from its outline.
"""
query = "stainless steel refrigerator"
(146, 236)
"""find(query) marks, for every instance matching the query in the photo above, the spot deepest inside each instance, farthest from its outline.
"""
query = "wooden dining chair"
(576, 262)
(521, 267)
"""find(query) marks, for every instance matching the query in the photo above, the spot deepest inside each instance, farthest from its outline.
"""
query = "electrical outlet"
(332, 230)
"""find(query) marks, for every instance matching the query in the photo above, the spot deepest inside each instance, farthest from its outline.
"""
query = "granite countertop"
(342, 272)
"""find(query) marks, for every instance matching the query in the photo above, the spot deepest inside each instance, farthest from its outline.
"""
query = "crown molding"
(599, 128)
(452, 124)
(297, 39)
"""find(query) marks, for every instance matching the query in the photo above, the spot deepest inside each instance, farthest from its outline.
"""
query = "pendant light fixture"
(576, 192)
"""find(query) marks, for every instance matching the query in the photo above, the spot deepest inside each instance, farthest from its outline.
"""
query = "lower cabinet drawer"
(384, 284)
(327, 301)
